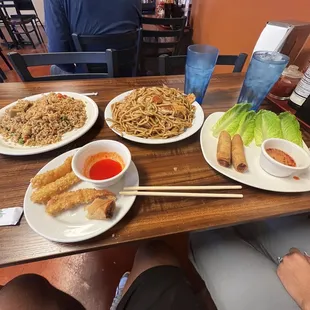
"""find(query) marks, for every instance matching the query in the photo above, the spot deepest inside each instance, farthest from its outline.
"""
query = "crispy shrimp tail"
(72, 199)
(52, 175)
(45, 193)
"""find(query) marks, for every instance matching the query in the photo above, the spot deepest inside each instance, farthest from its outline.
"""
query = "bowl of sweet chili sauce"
(102, 163)
(282, 158)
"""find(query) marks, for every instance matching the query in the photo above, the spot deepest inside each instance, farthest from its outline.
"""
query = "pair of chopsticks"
(157, 191)
(90, 94)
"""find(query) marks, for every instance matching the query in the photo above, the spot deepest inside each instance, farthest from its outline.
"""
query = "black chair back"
(170, 65)
(24, 5)
(148, 8)
(22, 62)
(129, 42)
(2, 76)
(163, 38)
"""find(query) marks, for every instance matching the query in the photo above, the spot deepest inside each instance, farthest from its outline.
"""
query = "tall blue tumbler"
(264, 70)
(200, 63)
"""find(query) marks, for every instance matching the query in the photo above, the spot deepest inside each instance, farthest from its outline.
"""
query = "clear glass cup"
(264, 70)
(200, 63)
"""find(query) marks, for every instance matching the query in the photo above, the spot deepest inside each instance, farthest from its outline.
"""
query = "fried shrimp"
(50, 176)
(45, 193)
(72, 199)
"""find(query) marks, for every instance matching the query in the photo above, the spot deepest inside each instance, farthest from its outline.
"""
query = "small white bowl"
(273, 167)
(96, 147)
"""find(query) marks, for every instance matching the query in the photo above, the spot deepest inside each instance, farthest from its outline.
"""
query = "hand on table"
(294, 273)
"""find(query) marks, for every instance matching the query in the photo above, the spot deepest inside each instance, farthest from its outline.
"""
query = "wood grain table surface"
(180, 163)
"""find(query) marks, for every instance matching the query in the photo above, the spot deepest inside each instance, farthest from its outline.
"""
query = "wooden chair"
(158, 40)
(20, 21)
(127, 45)
(27, 5)
(170, 65)
(148, 8)
(5, 60)
(22, 62)
(2, 76)
(164, 39)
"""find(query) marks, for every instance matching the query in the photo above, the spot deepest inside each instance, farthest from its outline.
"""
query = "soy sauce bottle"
(303, 113)
(301, 92)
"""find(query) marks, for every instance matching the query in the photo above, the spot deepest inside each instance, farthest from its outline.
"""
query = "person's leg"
(55, 70)
(275, 237)
(34, 292)
(151, 255)
(156, 281)
(237, 276)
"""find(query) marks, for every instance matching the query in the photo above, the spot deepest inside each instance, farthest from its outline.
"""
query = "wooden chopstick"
(177, 188)
(172, 194)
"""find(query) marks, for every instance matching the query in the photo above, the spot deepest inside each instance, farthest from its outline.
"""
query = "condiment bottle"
(301, 92)
(303, 112)
(284, 87)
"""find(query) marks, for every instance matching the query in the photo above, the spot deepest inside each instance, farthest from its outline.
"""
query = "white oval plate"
(73, 225)
(197, 123)
(255, 176)
(92, 111)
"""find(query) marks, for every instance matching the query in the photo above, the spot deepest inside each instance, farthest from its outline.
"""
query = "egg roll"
(223, 153)
(238, 155)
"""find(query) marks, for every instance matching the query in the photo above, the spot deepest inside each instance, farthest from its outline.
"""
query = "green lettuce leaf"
(290, 128)
(231, 119)
(267, 125)
(246, 127)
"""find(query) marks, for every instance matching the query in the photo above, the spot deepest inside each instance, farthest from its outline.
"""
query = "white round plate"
(255, 176)
(73, 225)
(92, 111)
(197, 123)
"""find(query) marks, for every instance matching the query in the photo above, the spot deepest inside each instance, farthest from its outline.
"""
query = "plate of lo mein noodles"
(154, 115)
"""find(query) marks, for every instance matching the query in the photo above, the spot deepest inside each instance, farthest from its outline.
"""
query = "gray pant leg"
(55, 70)
(237, 276)
(275, 237)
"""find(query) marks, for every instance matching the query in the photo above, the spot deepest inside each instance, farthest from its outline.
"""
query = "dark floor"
(92, 277)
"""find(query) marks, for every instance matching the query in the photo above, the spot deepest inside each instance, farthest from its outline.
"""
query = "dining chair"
(129, 43)
(148, 8)
(9, 32)
(167, 33)
(27, 5)
(170, 65)
(22, 62)
(5, 60)
(20, 21)
(2, 76)
(160, 36)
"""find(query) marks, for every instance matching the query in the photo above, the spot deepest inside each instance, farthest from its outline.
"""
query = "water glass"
(200, 63)
(264, 70)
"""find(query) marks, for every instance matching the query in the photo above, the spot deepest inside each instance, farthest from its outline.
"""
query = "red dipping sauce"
(103, 165)
(105, 169)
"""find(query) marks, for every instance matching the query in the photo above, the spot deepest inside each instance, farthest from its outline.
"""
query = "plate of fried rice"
(45, 122)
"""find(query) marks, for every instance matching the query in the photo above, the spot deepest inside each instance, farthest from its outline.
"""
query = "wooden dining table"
(179, 163)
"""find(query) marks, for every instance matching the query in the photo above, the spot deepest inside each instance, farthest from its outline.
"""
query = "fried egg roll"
(238, 155)
(223, 153)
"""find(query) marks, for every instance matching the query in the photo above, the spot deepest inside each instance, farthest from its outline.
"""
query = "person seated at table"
(90, 17)
(251, 266)
(155, 282)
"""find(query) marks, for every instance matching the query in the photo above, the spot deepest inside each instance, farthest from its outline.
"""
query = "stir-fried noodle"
(154, 112)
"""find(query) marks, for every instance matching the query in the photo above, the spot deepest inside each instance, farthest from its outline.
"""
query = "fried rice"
(43, 121)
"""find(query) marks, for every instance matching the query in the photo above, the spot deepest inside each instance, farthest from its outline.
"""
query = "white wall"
(39, 5)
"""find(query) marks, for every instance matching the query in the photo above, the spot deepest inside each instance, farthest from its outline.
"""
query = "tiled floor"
(92, 277)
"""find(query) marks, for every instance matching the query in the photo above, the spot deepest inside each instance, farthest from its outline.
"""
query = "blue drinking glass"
(264, 70)
(200, 63)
